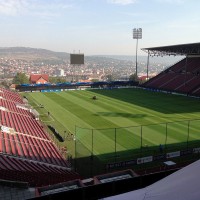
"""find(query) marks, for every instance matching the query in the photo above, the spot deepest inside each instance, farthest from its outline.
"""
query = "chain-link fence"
(94, 146)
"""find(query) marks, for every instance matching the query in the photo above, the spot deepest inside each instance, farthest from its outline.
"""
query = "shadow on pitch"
(117, 114)
(159, 102)
(89, 165)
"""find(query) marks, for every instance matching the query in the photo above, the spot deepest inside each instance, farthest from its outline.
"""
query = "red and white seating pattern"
(26, 151)
(183, 77)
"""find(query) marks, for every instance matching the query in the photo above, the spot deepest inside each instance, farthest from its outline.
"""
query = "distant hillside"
(43, 55)
(46, 56)
(33, 54)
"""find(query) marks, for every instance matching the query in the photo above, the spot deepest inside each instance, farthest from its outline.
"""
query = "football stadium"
(95, 140)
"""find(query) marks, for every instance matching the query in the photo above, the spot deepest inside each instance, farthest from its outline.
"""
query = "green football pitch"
(119, 120)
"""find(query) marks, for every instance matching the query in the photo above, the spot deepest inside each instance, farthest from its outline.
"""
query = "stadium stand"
(15, 107)
(12, 96)
(29, 157)
(182, 184)
(74, 86)
(124, 183)
(107, 185)
(26, 150)
(182, 77)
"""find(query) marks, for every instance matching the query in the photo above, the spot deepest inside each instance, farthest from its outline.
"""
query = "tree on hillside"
(56, 79)
(94, 80)
(109, 77)
(4, 84)
(20, 78)
(133, 77)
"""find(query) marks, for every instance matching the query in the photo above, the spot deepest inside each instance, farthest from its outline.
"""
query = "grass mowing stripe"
(156, 133)
(159, 117)
(57, 111)
(119, 141)
(160, 102)
(117, 108)
(100, 107)
(102, 138)
(93, 108)
(150, 141)
(90, 109)
(84, 110)
(182, 116)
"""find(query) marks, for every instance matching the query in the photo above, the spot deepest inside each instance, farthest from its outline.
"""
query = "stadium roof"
(181, 185)
(180, 49)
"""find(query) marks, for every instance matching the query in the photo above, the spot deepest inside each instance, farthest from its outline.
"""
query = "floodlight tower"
(137, 34)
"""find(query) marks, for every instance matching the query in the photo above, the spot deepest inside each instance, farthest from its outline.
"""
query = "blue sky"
(98, 27)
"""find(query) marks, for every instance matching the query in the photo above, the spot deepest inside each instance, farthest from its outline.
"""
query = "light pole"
(137, 34)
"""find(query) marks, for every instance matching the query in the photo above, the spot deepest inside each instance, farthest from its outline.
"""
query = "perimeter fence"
(101, 146)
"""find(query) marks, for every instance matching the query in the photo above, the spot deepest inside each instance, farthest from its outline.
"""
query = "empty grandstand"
(29, 156)
(182, 77)
(27, 153)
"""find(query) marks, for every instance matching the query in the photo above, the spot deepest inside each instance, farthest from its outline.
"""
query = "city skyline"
(98, 27)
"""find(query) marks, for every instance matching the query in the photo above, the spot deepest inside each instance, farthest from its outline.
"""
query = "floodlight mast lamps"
(137, 34)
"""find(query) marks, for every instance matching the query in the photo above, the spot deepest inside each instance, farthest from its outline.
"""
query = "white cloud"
(171, 1)
(12, 7)
(32, 7)
(122, 2)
